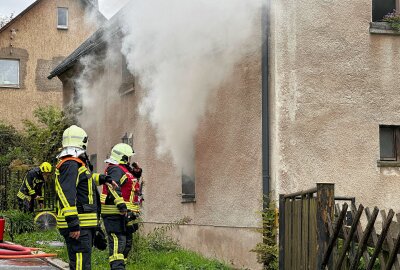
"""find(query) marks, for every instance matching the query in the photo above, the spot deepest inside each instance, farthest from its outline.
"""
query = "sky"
(107, 7)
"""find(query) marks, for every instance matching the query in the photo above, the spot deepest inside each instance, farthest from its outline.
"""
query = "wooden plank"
(299, 206)
(325, 207)
(389, 240)
(359, 234)
(312, 247)
(393, 254)
(346, 244)
(362, 247)
(295, 237)
(334, 234)
(379, 242)
(281, 231)
(287, 234)
(304, 233)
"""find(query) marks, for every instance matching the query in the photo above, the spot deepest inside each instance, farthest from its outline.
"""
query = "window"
(9, 73)
(188, 187)
(188, 182)
(380, 8)
(389, 139)
(128, 80)
(127, 139)
(93, 161)
(62, 21)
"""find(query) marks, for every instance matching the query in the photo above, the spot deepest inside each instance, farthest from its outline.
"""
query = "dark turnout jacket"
(32, 185)
(78, 199)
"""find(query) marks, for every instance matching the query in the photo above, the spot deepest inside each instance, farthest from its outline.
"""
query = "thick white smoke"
(182, 51)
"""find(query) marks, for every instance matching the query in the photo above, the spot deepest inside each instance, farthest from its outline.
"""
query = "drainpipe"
(265, 27)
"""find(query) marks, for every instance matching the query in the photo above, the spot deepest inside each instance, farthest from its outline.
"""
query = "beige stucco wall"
(333, 85)
(40, 46)
(228, 159)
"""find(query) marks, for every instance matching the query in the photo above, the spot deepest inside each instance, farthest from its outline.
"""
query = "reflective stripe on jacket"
(32, 185)
(76, 195)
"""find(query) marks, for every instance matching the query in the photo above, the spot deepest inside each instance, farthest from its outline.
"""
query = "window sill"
(125, 92)
(382, 28)
(385, 163)
(62, 27)
(188, 199)
(10, 86)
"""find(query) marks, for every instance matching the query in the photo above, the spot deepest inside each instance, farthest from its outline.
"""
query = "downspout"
(265, 27)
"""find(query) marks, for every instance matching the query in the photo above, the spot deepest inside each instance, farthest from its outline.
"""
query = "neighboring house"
(31, 45)
(318, 103)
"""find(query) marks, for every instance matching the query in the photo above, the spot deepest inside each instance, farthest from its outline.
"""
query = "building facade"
(335, 97)
(224, 209)
(31, 45)
(327, 81)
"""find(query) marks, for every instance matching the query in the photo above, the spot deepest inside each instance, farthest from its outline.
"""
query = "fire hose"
(12, 251)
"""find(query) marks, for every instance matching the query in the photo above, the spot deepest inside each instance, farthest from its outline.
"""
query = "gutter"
(265, 27)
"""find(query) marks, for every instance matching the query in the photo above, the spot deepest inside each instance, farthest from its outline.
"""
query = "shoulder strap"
(123, 168)
(61, 162)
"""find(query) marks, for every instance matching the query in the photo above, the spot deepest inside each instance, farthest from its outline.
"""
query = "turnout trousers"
(116, 233)
(80, 250)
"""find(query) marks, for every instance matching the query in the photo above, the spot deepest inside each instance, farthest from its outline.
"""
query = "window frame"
(18, 85)
(374, 9)
(390, 161)
(63, 27)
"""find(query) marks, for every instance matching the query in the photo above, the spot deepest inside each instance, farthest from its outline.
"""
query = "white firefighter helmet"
(74, 136)
(121, 152)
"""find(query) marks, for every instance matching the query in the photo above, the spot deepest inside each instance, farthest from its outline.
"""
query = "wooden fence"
(319, 231)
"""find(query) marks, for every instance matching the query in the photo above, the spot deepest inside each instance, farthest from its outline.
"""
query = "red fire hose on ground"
(12, 251)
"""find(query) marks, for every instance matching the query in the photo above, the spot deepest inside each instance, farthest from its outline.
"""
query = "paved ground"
(26, 264)
(32, 264)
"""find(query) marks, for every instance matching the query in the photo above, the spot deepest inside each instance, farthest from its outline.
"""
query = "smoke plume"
(182, 51)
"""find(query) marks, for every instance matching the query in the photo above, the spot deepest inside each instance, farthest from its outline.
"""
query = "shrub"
(267, 250)
(158, 240)
(18, 222)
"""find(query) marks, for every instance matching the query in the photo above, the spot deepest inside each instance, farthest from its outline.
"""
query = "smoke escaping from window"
(182, 51)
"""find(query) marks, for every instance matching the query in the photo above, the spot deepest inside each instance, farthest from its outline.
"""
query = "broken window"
(93, 161)
(9, 73)
(188, 181)
(128, 80)
(62, 22)
(389, 138)
(380, 8)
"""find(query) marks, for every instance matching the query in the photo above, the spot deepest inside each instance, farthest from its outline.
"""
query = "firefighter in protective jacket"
(118, 208)
(32, 187)
(77, 198)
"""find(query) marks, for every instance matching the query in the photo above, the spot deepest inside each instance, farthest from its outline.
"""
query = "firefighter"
(32, 187)
(118, 209)
(78, 201)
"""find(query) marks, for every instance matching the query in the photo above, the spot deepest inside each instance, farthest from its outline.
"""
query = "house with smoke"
(31, 45)
(316, 100)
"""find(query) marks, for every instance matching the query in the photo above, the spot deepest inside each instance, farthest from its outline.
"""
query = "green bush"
(267, 250)
(44, 136)
(18, 222)
(10, 141)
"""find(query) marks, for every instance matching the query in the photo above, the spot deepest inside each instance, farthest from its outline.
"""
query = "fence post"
(325, 207)
(281, 231)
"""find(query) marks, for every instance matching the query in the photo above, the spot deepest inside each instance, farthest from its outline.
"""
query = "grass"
(143, 255)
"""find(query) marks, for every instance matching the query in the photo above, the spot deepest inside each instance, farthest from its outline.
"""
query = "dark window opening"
(188, 182)
(389, 138)
(128, 80)
(380, 8)
(93, 161)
